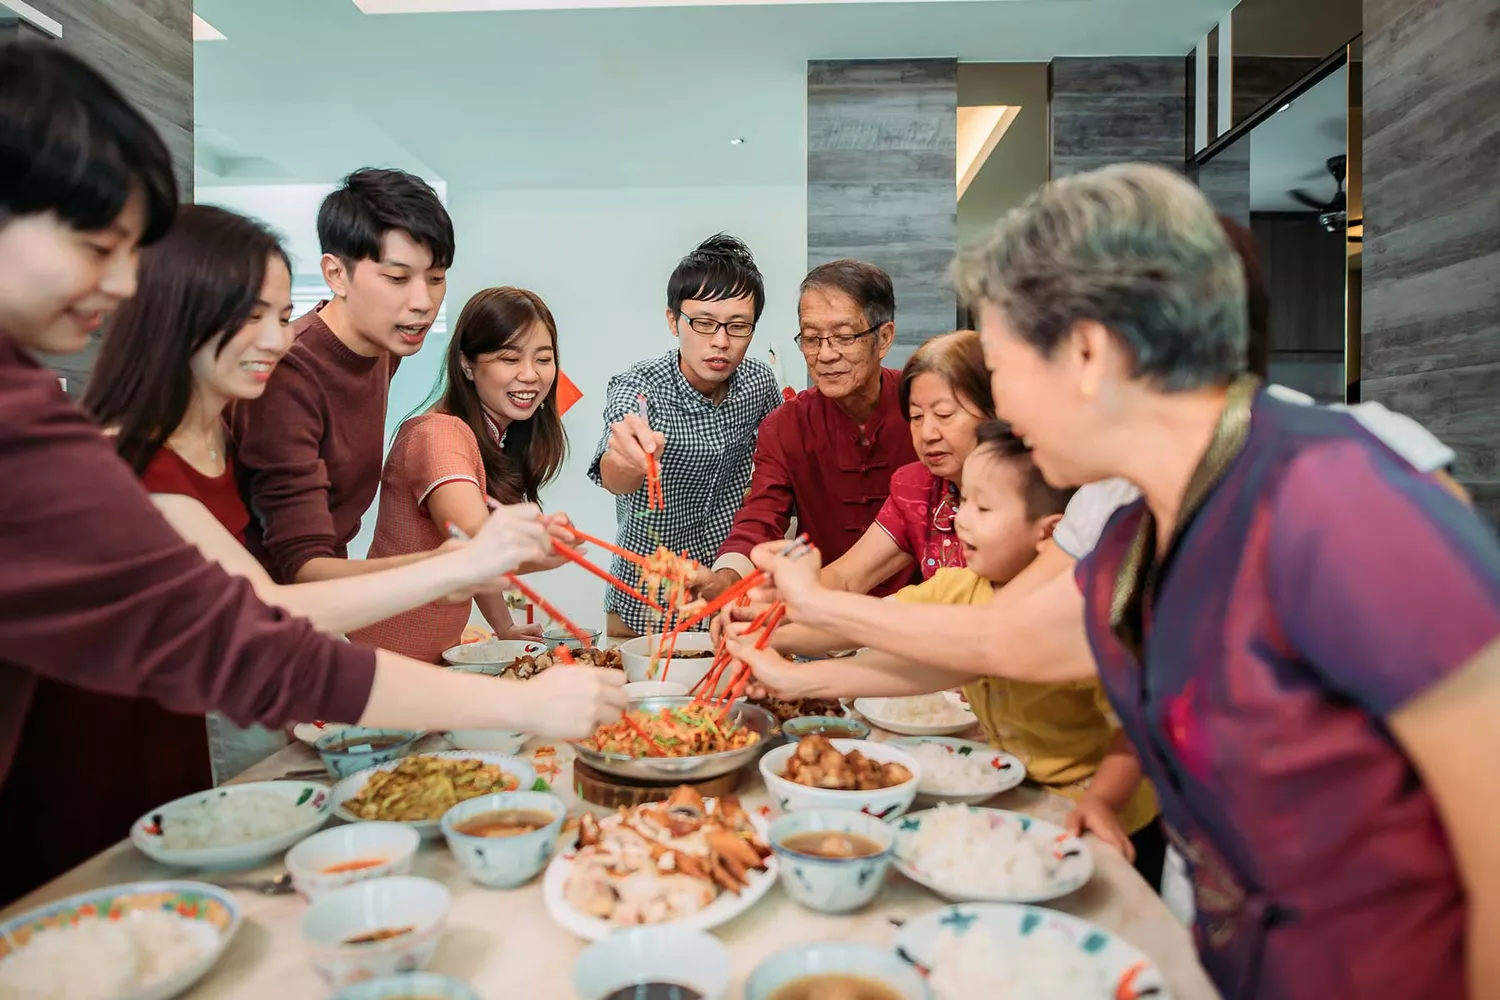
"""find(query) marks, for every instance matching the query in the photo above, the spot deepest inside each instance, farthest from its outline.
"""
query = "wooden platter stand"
(613, 792)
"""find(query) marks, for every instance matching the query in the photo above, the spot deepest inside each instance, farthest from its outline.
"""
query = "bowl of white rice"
(964, 853)
(940, 714)
(955, 770)
(1006, 951)
(140, 941)
(235, 826)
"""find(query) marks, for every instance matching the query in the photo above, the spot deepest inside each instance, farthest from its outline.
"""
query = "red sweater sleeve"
(767, 511)
(278, 450)
(98, 591)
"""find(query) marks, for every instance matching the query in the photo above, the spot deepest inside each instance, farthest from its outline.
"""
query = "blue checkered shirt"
(705, 467)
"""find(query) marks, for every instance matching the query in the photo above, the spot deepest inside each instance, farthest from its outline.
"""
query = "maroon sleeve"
(767, 511)
(99, 592)
(279, 454)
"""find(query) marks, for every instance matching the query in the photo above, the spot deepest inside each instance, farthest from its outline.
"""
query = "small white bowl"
(654, 689)
(832, 957)
(882, 803)
(394, 844)
(409, 986)
(498, 740)
(504, 862)
(381, 904)
(636, 655)
(662, 954)
(490, 656)
(833, 885)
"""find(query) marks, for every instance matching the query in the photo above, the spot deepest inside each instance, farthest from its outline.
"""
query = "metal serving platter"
(757, 719)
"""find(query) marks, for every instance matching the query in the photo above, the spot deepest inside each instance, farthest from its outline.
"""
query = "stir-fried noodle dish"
(682, 731)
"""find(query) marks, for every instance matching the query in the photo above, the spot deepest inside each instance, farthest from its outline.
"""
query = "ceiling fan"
(1332, 214)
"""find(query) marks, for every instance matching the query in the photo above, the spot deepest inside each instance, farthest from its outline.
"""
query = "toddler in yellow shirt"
(1066, 734)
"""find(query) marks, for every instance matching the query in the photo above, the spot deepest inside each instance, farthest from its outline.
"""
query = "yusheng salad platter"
(691, 861)
(678, 738)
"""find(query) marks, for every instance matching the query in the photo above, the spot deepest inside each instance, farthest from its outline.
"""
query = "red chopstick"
(580, 559)
(634, 557)
(742, 587)
(552, 611)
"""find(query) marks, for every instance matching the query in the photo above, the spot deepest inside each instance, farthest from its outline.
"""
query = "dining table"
(503, 943)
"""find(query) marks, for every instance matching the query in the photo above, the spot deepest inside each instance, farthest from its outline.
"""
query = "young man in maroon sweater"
(310, 448)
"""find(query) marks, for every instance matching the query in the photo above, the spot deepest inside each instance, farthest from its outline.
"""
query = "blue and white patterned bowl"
(349, 750)
(1003, 931)
(832, 957)
(660, 953)
(833, 885)
(504, 862)
(416, 906)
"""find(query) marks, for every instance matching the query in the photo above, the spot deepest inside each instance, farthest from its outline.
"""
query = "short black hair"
(869, 286)
(721, 267)
(71, 144)
(372, 202)
(1042, 498)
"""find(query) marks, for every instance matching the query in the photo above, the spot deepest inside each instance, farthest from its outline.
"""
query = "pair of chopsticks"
(797, 549)
(740, 679)
(563, 653)
(655, 498)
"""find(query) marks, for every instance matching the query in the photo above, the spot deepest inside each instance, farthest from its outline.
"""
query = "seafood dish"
(689, 730)
(818, 764)
(426, 786)
(523, 667)
(661, 861)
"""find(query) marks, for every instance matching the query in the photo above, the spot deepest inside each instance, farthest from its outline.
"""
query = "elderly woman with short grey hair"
(1297, 630)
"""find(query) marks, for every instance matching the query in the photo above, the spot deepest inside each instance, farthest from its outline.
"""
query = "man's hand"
(631, 439)
(796, 579)
(708, 584)
(779, 676)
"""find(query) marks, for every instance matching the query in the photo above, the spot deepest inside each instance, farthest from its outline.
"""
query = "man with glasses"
(827, 456)
(697, 408)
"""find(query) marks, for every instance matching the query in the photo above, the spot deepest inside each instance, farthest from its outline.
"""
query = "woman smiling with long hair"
(493, 433)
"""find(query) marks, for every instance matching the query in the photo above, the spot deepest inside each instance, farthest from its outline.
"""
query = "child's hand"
(1093, 815)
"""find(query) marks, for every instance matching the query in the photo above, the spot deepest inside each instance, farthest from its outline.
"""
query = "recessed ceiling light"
(1283, 107)
(737, 141)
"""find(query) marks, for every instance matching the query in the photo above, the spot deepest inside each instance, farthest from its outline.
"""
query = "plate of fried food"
(690, 861)
(878, 779)
(678, 737)
(417, 790)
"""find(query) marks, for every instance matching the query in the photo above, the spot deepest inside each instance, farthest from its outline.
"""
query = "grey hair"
(869, 286)
(1134, 247)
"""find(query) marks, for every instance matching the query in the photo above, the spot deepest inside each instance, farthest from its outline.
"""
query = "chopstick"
(795, 550)
(634, 557)
(455, 532)
(655, 499)
(578, 558)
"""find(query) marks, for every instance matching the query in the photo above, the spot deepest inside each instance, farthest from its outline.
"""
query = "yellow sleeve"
(949, 585)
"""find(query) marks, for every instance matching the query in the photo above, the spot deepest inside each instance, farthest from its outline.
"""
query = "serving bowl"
(358, 747)
(832, 726)
(351, 786)
(637, 690)
(309, 801)
(498, 740)
(408, 986)
(832, 885)
(213, 917)
(383, 904)
(504, 862)
(636, 655)
(490, 656)
(349, 850)
(759, 721)
(555, 637)
(664, 954)
(882, 803)
(821, 958)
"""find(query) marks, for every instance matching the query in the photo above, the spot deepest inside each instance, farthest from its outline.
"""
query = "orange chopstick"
(634, 557)
(552, 611)
(580, 559)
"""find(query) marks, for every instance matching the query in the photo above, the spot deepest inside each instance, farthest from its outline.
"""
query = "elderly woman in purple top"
(1298, 630)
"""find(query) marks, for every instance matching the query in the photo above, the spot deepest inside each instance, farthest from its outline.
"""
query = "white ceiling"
(1290, 149)
(306, 90)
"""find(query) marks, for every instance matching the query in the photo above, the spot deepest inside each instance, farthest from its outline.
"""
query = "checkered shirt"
(705, 467)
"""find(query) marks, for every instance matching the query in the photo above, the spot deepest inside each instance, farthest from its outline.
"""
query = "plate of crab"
(689, 861)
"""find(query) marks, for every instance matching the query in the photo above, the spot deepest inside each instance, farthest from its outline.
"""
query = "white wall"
(600, 259)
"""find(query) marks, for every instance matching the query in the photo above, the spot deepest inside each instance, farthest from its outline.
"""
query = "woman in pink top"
(945, 395)
(493, 434)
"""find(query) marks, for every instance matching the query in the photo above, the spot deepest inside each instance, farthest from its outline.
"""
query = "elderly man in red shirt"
(827, 456)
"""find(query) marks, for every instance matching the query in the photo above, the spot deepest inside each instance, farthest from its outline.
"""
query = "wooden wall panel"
(1431, 299)
(1112, 110)
(881, 148)
(146, 48)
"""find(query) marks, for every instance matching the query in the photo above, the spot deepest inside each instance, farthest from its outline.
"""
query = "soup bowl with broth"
(832, 860)
(503, 839)
(835, 970)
